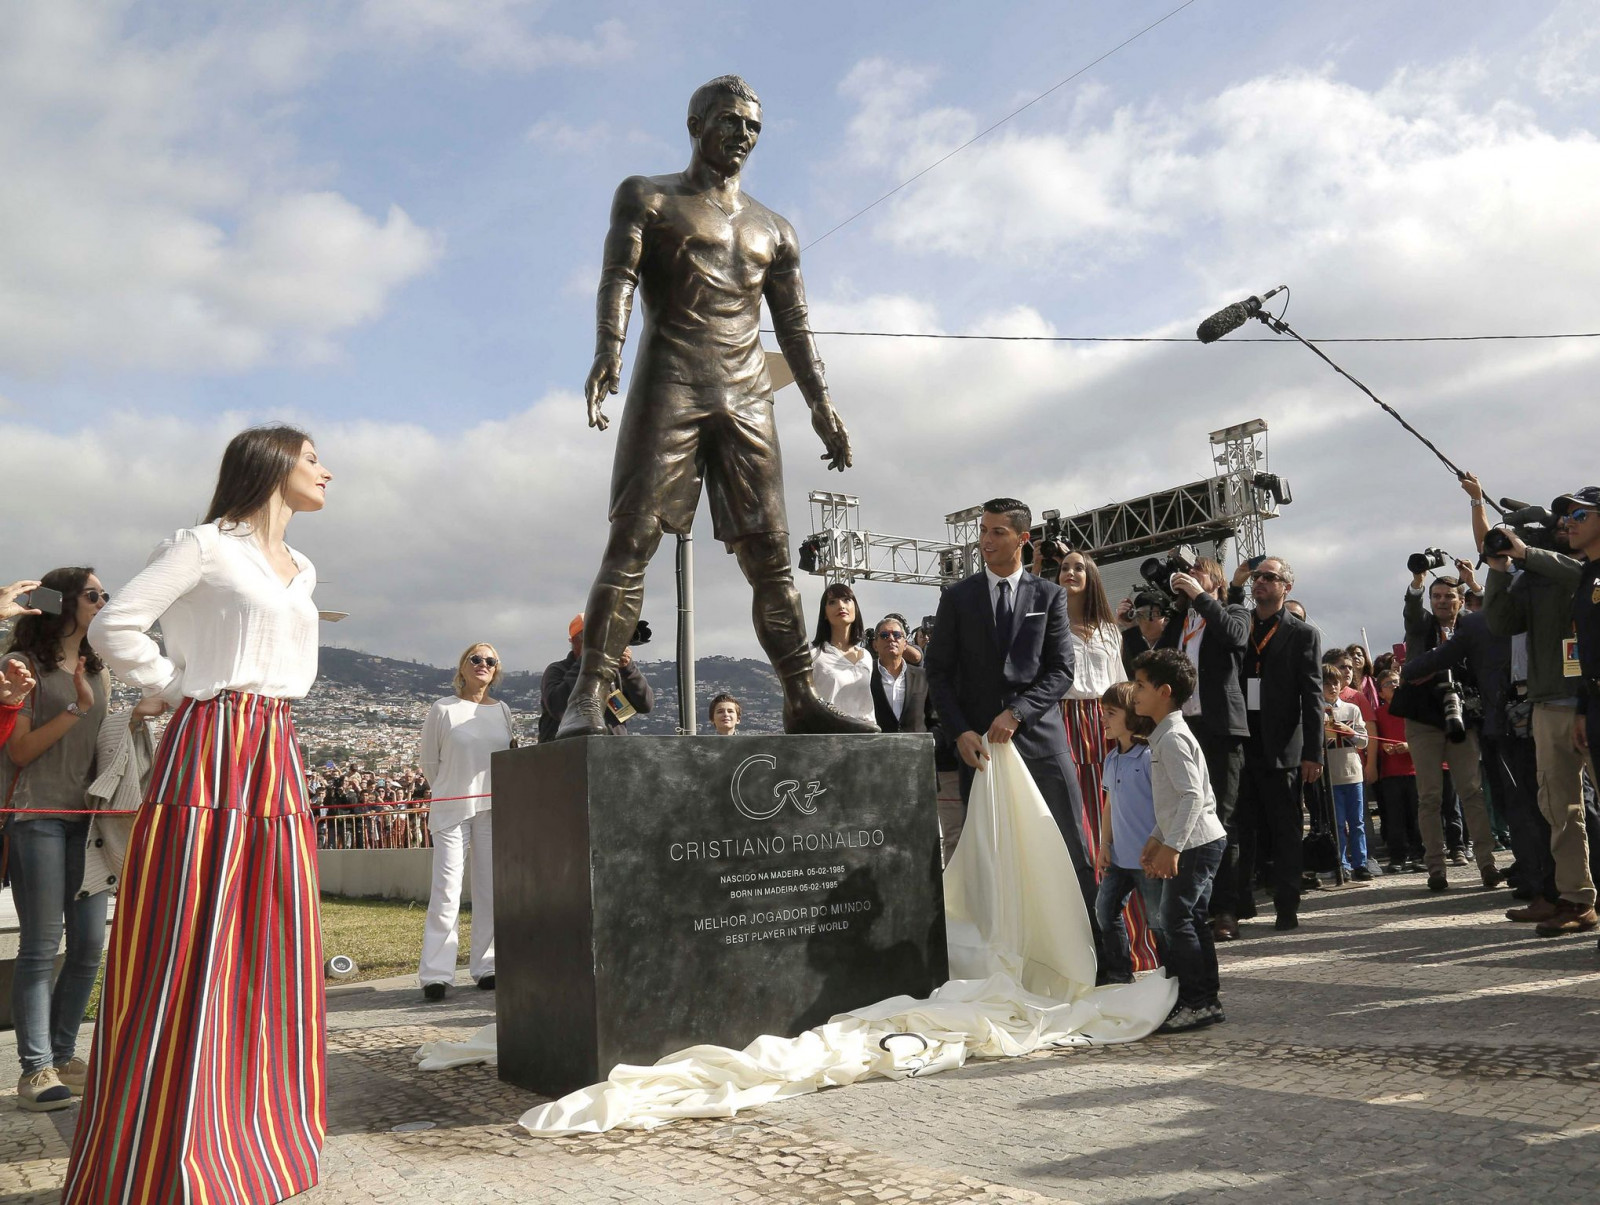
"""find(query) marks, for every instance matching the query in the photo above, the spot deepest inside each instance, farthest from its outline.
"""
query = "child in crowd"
(1397, 782)
(1185, 848)
(1126, 821)
(1344, 735)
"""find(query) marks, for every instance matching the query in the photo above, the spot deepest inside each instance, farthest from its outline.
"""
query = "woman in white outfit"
(840, 665)
(460, 734)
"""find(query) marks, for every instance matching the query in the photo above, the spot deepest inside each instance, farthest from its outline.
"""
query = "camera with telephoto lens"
(1159, 571)
(641, 633)
(1455, 718)
(1535, 526)
(1428, 558)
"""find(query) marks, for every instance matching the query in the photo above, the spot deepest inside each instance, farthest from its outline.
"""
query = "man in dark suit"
(900, 697)
(1282, 680)
(999, 664)
(1214, 636)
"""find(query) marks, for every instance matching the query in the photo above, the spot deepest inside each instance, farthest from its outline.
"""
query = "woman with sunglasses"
(462, 732)
(46, 769)
(208, 1080)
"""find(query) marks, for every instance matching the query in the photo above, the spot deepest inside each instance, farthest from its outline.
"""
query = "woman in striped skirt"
(1096, 667)
(207, 1079)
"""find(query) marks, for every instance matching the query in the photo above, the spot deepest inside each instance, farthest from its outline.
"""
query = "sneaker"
(1182, 1019)
(42, 1092)
(1569, 918)
(74, 1073)
(1361, 875)
(1395, 868)
(1437, 880)
(1535, 913)
(1416, 866)
(486, 984)
(433, 991)
(1458, 857)
(1212, 1013)
(1492, 878)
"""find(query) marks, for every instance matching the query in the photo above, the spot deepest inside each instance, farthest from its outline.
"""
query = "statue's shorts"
(673, 437)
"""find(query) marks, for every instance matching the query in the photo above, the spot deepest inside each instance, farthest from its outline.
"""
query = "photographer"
(560, 676)
(1213, 635)
(1471, 659)
(1143, 620)
(1579, 513)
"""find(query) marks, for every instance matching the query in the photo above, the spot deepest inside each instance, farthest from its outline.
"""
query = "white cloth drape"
(1022, 967)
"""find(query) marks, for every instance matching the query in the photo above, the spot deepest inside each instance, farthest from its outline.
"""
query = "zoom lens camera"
(1428, 558)
(1159, 571)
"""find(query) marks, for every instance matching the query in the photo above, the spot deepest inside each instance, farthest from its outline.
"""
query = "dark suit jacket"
(973, 679)
(1291, 694)
(1485, 656)
(1222, 648)
(916, 710)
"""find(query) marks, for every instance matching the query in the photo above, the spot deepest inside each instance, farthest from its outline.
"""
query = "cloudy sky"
(382, 219)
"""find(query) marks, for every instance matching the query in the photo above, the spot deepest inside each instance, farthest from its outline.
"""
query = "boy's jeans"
(1115, 888)
(1350, 822)
(1189, 954)
(46, 873)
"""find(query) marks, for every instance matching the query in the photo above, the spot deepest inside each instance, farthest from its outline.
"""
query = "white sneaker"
(42, 1092)
(74, 1073)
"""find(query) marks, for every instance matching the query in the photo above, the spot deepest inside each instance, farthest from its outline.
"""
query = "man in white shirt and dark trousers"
(1186, 847)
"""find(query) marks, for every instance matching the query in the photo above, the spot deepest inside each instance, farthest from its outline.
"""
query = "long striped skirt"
(1086, 732)
(208, 1078)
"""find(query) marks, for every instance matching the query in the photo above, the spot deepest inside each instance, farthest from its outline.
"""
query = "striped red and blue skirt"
(1086, 733)
(208, 1079)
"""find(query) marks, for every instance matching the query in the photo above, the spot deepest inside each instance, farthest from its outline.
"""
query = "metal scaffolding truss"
(1232, 504)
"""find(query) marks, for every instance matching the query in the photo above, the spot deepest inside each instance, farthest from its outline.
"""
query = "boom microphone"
(1231, 318)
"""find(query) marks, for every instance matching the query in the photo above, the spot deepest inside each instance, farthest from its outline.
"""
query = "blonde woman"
(462, 731)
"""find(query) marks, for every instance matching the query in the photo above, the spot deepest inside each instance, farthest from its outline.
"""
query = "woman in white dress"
(840, 665)
(459, 736)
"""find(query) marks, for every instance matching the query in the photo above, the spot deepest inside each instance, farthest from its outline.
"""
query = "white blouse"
(844, 683)
(1096, 662)
(227, 620)
(458, 739)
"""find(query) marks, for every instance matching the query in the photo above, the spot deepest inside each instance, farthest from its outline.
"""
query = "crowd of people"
(1200, 751)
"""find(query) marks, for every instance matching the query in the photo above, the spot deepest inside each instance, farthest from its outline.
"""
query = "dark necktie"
(1002, 616)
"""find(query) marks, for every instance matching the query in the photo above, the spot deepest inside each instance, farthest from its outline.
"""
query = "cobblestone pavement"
(1397, 1046)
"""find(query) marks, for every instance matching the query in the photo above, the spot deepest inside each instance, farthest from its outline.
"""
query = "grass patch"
(383, 936)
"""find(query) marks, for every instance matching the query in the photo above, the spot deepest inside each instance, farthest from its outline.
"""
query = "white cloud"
(1565, 62)
(495, 33)
(151, 218)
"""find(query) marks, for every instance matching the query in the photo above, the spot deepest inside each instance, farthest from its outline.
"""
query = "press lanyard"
(1191, 634)
(1267, 639)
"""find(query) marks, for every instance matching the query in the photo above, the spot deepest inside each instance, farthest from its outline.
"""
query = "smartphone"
(43, 599)
(1256, 562)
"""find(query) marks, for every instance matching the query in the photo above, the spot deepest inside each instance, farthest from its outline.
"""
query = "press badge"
(1569, 658)
(621, 710)
(1252, 694)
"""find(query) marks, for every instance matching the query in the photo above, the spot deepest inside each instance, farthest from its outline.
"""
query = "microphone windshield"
(1224, 320)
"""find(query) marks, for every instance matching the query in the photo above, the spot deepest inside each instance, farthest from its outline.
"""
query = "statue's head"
(724, 121)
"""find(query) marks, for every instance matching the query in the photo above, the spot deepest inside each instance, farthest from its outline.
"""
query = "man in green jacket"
(1538, 601)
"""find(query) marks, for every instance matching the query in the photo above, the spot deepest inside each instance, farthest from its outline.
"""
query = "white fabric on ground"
(1022, 961)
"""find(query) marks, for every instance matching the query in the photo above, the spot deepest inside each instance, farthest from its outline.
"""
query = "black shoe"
(1361, 874)
(1416, 866)
(1395, 868)
(486, 984)
(1492, 878)
(433, 991)
(1286, 921)
(1437, 881)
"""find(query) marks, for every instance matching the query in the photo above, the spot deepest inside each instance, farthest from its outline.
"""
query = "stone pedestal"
(653, 893)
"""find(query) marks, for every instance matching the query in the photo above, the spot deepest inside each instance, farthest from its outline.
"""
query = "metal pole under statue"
(687, 708)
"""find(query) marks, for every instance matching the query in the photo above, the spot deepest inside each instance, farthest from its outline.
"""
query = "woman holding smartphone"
(46, 769)
(208, 1079)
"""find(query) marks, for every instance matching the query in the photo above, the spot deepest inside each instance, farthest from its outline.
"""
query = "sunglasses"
(1266, 575)
(891, 635)
(1148, 613)
(1579, 514)
(97, 596)
(480, 659)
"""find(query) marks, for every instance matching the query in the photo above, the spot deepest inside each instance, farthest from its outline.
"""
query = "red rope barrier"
(388, 809)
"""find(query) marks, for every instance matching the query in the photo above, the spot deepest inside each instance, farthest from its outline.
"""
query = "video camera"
(1535, 526)
(1159, 571)
(1052, 549)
